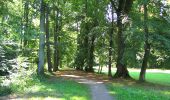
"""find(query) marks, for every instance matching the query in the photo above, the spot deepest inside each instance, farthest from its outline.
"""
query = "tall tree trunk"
(47, 40)
(121, 67)
(91, 55)
(147, 46)
(79, 60)
(56, 60)
(59, 38)
(111, 45)
(41, 39)
(91, 46)
(26, 13)
(86, 39)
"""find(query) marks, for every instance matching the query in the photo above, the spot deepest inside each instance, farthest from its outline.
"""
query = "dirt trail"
(96, 83)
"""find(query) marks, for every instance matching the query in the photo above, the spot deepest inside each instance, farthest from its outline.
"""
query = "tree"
(25, 23)
(147, 45)
(111, 41)
(47, 39)
(57, 29)
(41, 39)
(122, 9)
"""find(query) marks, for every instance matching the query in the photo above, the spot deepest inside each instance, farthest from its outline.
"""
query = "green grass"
(59, 89)
(159, 78)
(136, 91)
(156, 87)
(50, 88)
(153, 77)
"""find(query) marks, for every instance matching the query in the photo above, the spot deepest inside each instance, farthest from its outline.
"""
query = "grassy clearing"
(157, 87)
(127, 90)
(59, 89)
(50, 87)
(154, 77)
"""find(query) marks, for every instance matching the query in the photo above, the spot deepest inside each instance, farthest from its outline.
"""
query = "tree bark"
(122, 71)
(111, 45)
(56, 60)
(91, 55)
(147, 46)
(41, 39)
(47, 40)
(26, 13)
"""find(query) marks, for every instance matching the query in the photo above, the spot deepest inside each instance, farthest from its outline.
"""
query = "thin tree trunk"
(101, 69)
(86, 39)
(147, 46)
(26, 13)
(41, 39)
(111, 46)
(91, 55)
(47, 40)
(56, 42)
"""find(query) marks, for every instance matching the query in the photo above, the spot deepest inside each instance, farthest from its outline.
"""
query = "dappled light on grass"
(59, 89)
(112, 92)
(77, 98)
(166, 92)
(49, 87)
(159, 78)
(40, 98)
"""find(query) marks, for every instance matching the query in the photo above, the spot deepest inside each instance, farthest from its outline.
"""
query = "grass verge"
(154, 77)
(48, 87)
(130, 90)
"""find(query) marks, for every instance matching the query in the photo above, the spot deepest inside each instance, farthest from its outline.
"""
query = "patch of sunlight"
(35, 88)
(99, 82)
(112, 92)
(45, 98)
(168, 1)
(74, 76)
(77, 98)
(166, 92)
(36, 22)
(49, 90)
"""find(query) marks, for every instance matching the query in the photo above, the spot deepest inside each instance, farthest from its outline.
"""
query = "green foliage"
(8, 57)
(5, 90)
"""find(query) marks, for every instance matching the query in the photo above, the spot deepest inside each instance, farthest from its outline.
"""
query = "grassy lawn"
(154, 77)
(136, 91)
(59, 89)
(157, 87)
(158, 76)
(51, 88)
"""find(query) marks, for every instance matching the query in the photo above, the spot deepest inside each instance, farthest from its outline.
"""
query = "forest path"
(95, 81)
